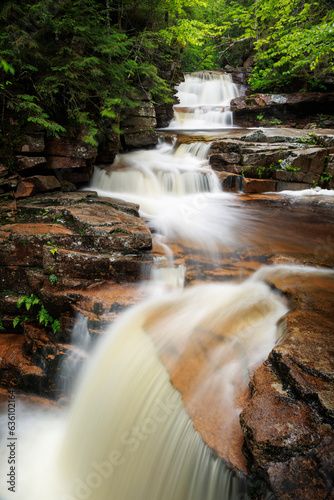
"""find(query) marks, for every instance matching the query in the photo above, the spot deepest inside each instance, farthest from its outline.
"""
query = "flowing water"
(127, 434)
(204, 100)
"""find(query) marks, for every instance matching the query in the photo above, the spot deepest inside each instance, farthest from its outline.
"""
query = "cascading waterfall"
(127, 434)
(178, 193)
(204, 100)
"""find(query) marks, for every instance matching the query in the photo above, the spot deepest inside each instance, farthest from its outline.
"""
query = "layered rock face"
(61, 248)
(274, 160)
(299, 109)
(288, 422)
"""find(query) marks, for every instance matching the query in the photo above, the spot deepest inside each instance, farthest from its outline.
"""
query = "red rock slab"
(258, 185)
(288, 421)
(25, 189)
(112, 229)
(74, 264)
(23, 243)
(16, 369)
(306, 357)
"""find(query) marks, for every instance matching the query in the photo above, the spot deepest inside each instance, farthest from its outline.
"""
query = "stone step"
(75, 264)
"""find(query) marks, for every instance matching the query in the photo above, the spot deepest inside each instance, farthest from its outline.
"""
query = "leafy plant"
(53, 279)
(42, 315)
(28, 301)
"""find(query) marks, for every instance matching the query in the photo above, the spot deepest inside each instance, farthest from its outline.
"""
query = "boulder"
(24, 189)
(41, 183)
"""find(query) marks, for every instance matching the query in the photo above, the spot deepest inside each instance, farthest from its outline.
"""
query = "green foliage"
(78, 64)
(292, 41)
(53, 279)
(273, 121)
(28, 301)
(42, 315)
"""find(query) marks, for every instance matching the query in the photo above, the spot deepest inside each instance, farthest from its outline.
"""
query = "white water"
(128, 435)
(204, 100)
(178, 192)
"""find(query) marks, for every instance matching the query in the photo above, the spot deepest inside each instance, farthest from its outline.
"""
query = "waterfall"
(178, 193)
(204, 100)
(128, 434)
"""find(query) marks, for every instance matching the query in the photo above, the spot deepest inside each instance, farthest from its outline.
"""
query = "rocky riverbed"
(83, 256)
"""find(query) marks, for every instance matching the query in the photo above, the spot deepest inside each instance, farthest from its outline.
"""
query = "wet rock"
(73, 264)
(288, 421)
(258, 185)
(292, 186)
(17, 371)
(219, 161)
(230, 181)
(64, 162)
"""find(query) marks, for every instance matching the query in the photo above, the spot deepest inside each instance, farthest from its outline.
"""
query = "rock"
(37, 183)
(27, 162)
(17, 370)
(10, 182)
(258, 185)
(76, 177)
(73, 264)
(23, 243)
(230, 182)
(24, 189)
(138, 124)
(287, 422)
(218, 161)
(33, 143)
(292, 186)
(164, 114)
(65, 162)
(3, 170)
(140, 139)
(72, 148)
(298, 106)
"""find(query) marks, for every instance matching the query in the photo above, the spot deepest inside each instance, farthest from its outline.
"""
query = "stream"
(164, 386)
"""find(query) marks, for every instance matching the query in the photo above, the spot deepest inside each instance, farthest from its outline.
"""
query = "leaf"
(16, 321)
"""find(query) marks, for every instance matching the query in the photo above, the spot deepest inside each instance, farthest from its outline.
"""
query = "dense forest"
(67, 65)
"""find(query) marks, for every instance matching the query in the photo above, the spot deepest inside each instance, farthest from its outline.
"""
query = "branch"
(235, 42)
